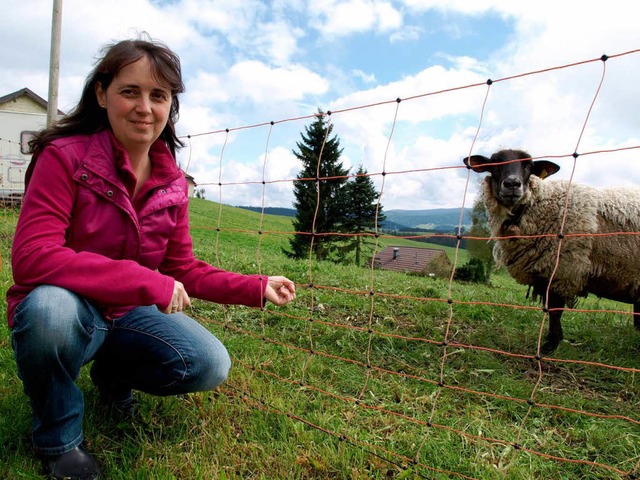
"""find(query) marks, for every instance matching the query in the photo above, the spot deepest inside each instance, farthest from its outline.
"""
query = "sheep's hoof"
(549, 346)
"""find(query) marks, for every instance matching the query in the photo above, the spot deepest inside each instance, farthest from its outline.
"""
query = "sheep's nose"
(512, 182)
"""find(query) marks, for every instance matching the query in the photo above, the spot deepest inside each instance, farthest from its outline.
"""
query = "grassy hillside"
(353, 380)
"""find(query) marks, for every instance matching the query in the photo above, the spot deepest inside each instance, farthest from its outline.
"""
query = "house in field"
(423, 261)
(191, 184)
(22, 114)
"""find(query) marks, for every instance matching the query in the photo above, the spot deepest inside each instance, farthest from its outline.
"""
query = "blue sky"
(248, 62)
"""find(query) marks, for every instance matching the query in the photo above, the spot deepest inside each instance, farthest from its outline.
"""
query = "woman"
(102, 258)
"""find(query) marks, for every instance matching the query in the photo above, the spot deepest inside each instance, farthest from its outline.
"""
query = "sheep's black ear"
(544, 168)
(477, 163)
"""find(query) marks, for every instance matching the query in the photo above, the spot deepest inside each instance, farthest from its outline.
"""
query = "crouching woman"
(103, 262)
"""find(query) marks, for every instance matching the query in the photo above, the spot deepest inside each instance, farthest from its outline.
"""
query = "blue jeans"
(56, 332)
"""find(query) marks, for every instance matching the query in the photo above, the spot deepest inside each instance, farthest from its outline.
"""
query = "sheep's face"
(510, 171)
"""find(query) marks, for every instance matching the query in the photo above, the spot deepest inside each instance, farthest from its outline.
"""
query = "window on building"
(24, 141)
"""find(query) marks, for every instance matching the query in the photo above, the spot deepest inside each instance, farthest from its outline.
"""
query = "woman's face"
(137, 106)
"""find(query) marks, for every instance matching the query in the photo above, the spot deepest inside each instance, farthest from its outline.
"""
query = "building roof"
(189, 178)
(33, 96)
(406, 259)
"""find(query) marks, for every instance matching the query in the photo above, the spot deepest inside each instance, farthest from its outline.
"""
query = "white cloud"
(406, 34)
(334, 18)
(242, 181)
(258, 82)
(229, 18)
(278, 41)
(247, 93)
(365, 77)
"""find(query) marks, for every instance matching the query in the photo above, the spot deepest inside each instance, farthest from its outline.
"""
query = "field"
(368, 375)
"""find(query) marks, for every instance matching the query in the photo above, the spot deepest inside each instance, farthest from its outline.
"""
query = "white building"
(22, 113)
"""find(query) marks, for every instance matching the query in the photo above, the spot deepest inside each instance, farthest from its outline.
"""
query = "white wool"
(607, 265)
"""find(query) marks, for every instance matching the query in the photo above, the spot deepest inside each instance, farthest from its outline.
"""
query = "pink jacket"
(78, 229)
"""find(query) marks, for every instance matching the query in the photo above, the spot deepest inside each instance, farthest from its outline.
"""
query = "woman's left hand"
(280, 290)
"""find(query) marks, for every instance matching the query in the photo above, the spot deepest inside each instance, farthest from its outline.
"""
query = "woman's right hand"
(280, 290)
(179, 300)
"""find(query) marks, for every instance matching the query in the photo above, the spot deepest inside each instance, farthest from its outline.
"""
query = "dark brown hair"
(88, 117)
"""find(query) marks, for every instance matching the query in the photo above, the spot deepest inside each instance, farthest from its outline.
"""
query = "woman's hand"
(179, 300)
(280, 290)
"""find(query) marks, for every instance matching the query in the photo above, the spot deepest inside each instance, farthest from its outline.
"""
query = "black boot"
(76, 464)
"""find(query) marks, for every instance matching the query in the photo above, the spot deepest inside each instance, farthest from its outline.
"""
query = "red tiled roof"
(407, 259)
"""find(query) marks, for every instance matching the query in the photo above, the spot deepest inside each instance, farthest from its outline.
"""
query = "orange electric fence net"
(424, 375)
(431, 378)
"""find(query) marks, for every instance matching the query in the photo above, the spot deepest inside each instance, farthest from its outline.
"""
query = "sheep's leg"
(554, 336)
(636, 317)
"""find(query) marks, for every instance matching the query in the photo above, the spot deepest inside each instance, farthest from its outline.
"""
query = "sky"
(248, 63)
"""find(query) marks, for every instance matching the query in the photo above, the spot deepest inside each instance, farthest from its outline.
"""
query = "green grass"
(289, 409)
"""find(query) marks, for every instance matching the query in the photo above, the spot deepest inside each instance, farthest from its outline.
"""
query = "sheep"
(521, 204)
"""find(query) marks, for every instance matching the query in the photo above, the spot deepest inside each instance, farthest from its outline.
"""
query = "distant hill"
(433, 220)
(285, 212)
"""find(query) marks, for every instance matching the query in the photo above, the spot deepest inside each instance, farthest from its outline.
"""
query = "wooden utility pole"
(54, 62)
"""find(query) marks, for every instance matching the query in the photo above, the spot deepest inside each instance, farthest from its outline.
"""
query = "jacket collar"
(163, 165)
(111, 159)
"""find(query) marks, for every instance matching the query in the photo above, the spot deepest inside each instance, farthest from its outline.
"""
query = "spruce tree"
(361, 206)
(318, 191)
